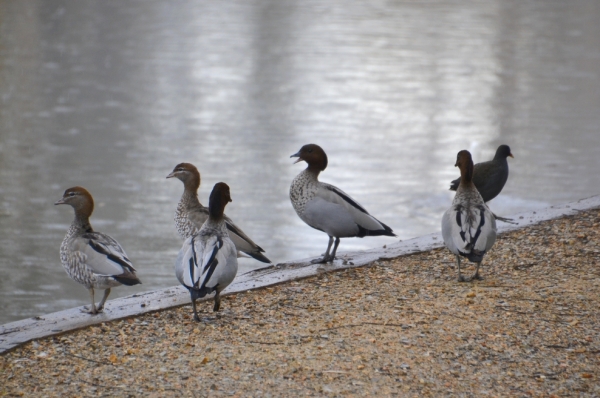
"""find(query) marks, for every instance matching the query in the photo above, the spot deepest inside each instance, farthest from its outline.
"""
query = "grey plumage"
(190, 214)
(93, 259)
(328, 208)
(207, 261)
(468, 226)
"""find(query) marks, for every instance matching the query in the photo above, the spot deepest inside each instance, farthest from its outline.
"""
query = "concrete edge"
(19, 332)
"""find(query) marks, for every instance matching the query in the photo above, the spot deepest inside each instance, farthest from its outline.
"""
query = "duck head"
(314, 155)
(188, 174)
(219, 197)
(80, 199)
(464, 162)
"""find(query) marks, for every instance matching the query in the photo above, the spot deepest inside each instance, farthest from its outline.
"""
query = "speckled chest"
(74, 262)
(64, 247)
(185, 226)
(304, 187)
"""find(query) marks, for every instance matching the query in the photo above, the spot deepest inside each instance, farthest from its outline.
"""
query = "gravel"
(403, 327)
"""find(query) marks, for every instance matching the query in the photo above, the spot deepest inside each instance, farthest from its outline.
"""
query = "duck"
(91, 258)
(468, 226)
(207, 261)
(491, 176)
(328, 208)
(191, 214)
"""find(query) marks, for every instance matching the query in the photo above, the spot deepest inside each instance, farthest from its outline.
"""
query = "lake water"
(112, 95)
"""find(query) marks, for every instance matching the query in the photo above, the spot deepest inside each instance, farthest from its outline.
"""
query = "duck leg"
(217, 301)
(93, 309)
(476, 274)
(337, 243)
(460, 277)
(101, 305)
(326, 256)
(196, 317)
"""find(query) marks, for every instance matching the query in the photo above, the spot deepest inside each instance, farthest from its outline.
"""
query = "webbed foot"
(324, 260)
(93, 311)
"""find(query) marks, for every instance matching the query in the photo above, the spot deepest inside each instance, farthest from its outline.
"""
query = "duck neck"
(190, 197)
(466, 174)
(216, 212)
(313, 172)
(82, 222)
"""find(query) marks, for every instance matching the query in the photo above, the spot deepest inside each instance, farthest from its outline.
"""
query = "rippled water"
(112, 95)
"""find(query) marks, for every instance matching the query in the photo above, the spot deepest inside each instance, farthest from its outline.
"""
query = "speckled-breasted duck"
(207, 261)
(468, 227)
(489, 177)
(92, 258)
(190, 214)
(328, 208)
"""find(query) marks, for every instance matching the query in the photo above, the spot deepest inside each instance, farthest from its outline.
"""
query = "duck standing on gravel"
(207, 262)
(328, 208)
(92, 258)
(489, 177)
(191, 215)
(468, 227)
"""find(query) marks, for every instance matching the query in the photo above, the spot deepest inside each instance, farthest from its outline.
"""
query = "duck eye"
(180, 169)
(71, 193)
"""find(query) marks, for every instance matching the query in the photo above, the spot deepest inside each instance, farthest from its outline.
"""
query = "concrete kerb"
(16, 333)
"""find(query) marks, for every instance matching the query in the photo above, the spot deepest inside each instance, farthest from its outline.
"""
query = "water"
(112, 95)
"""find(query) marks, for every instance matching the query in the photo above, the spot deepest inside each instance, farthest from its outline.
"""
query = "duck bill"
(297, 155)
(171, 175)
(61, 201)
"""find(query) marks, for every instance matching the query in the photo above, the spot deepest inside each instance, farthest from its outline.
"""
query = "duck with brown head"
(468, 227)
(91, 258)
(207, 261)
(191, 214)
(328, 208)
(491, 176)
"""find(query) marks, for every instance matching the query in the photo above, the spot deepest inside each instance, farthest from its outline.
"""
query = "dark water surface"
(112, 95)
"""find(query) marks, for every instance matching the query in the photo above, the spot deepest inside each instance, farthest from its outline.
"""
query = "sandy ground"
(403, 327)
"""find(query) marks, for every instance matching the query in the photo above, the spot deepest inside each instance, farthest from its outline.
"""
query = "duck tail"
(127, 279)
(199, 293)
(475, 256)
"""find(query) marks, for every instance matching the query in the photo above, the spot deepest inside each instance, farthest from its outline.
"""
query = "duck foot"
(324, 260)
(93, 311)
(477, 277)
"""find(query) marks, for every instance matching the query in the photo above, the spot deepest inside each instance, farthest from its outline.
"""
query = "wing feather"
(103, 254)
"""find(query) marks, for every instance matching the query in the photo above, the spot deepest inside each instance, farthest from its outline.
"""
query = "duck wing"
(334, 212)
(103, 255)
(243, 242)
(201, 262)
(469, 231)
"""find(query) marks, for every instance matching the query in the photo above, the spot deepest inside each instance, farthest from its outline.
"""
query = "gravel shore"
(403, 327)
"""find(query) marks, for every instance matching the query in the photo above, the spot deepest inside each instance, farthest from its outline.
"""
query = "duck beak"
(297, 155)
(61, 201)
(171, 175)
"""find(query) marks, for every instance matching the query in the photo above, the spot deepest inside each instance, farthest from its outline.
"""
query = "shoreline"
(399, 326)
(19, 332)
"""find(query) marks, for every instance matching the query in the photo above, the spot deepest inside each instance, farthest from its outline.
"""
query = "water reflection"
(112, 95)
